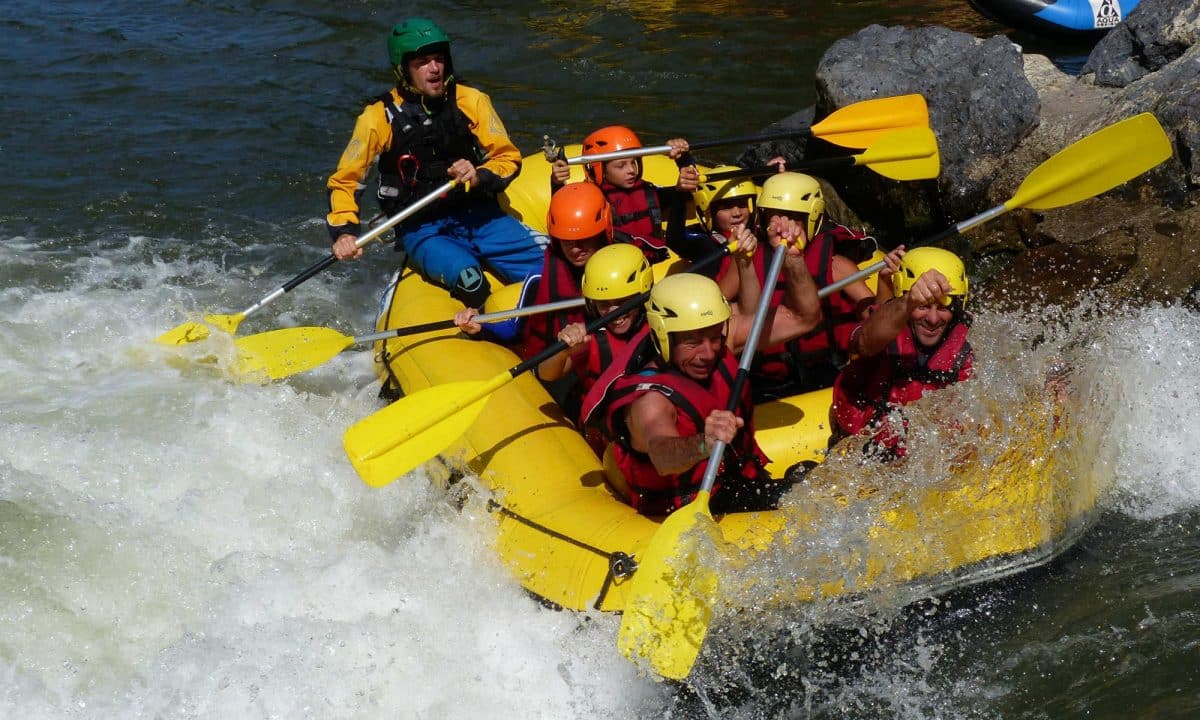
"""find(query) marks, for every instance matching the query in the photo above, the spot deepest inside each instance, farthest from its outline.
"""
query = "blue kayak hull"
(1057, 16)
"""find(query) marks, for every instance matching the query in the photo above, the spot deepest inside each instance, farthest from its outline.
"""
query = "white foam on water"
(175, 544)
(1155, 355)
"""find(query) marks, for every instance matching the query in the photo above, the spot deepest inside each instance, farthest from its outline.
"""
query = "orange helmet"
(579, 211)
(608, 139)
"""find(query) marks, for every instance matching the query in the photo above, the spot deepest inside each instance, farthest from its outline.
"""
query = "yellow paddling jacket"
(432, 134)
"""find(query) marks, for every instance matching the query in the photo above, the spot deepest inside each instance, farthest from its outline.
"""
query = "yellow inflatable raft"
(571, 542)
(850, 528)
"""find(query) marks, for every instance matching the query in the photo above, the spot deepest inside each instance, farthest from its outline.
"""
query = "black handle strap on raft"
(621, 565)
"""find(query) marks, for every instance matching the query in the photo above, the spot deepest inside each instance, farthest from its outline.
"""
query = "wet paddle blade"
(862, 124)
(281, 353)
(671, 600)
(228, 323)
(408, 433)
(1095, 164)
(908, 154)
(189, 332)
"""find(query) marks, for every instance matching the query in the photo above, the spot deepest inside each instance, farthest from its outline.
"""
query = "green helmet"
(413, 35)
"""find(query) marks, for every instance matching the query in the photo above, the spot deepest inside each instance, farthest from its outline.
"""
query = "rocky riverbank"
(998, 113)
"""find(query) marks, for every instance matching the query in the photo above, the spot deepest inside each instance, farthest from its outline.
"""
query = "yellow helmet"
(916, 262)
(716, 191)
(795, 192)
(615, 272)
(683, 302)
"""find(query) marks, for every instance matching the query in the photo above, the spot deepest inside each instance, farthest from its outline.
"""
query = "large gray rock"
(998, 115)
(981, 105)
(1173, 95)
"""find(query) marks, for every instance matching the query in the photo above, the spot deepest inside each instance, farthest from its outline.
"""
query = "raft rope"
(620, 565)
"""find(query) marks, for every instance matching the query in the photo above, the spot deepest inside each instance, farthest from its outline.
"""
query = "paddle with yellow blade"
(908, 154)
(288, 351)
(285, 352)
(667, 615)
(390, 443)
(1084, 169)
(194, 331)
(905, 154)
(855, 126)
(406, 434)
(670, 602)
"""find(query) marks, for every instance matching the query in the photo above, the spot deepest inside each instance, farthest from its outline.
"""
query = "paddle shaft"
(367, 237)
(802, 166)
(503, 378)
(666, 149)
(569, 304)
(597, 323)
(506, 376)
(739, 381)
(955, 230)
(760, 315)
(863, 274)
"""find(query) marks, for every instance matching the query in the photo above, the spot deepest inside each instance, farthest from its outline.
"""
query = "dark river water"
(176, 545)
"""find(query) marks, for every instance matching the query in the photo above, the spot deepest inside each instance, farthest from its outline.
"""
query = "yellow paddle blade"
(280, 353)
(908, 154)
(189, 332)
(415, 428)
(228, 323)
(671, 600)
(861, 124)
(1095, 164)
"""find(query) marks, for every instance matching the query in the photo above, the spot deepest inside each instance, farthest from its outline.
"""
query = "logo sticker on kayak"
(1107, 13)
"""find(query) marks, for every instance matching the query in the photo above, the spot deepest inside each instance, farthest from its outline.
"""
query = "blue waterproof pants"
(453, 250)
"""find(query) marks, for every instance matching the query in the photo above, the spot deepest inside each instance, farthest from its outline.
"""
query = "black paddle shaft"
(751, 139)
(802, 166)
(309, 271)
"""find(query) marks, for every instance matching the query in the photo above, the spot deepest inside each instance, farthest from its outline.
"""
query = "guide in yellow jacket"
(427, 130)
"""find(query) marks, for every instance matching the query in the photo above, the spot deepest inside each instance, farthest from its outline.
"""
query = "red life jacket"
(812, 360)
(621, 385)
(589, 364)
(637, 217)
(560, 281)
(869, 388)
(602, 350)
